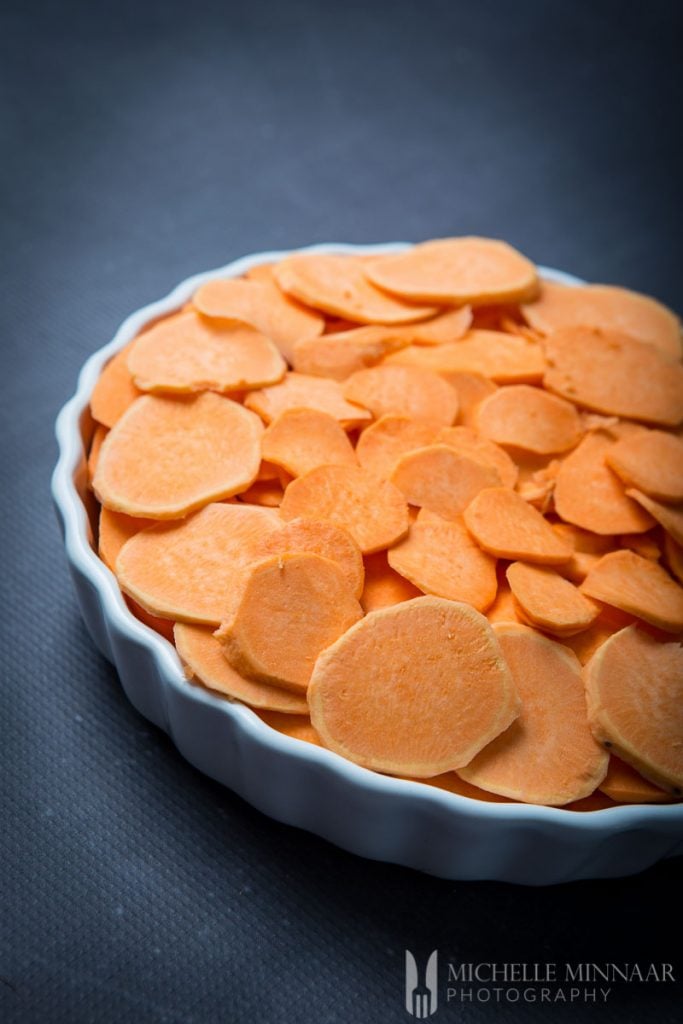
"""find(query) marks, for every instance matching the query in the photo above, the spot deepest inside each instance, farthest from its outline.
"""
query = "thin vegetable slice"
(530, 419)
(114, 390)
(318, 537)
(383, 586)
(403, 391)
(549, 601)
(445, 327)
(503, 358)
(504, 524)
(466, 441)
(339, 355)
(115, 529)
(442, 480)
(472, 389)
(668, 516)
(299, 440)
(638, 586)
(627, 786)
(382, 443)
(300, 391)
(651, 461)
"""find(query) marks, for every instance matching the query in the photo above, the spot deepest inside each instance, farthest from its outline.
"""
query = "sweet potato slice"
(203, 656)
(300, 391)
(529, 419)
(466, 441)
(588, 494)
(416, 689)
(164, 627)
(339, 355)
(638, 586)
(606, 307)
(299, 440)
(297, 726)
(114, 391)
(93, 455)
(318, 537)
(115, 529)
(549, 601)
(668, 516)
(291, 608)
(674, 556)
(651, 461)
(588, 549)
(445, 327)
(625, 785)
(382, 443)
(503, 358)
(634, 686)
(268, 493)
(548, 755)
(612, 373)
(442, 480)
(186, 571)
(457, 270)
(452, 783)
(383, 586)
(439, 557)
(167, 457)
(503, 524)
(472, 389)
(403, 391)
(373, 511)
(644, 544)
(188, 353)
(337, 285)
(263, 305)
(504, 608)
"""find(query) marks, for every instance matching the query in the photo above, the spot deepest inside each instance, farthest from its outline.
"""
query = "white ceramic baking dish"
(295, 782)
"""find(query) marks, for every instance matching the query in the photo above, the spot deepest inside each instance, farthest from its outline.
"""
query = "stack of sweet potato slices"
(424, 509)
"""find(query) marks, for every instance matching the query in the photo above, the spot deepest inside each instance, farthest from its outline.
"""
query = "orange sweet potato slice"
(606, 307)
(340, 355)
(651, 461)
(203, 656)
(472, 389)
(549, 601)
(614, 374)
(588, 549)
(638, 586)
(167, 457)
(457, 270)
(442, 480)
(301, 391)
(383, 586)
(585, 644)
(263, 305)
(625, 785)
(373, 511)
(337, 285)
(299, 440)
(674, 556)
(445, 327)
(382, 443)
(452, 783)
(114, 391)
(93, 455)
(162, 626)
(634, 686)
(530, 419)
(503, 358)
(187, 571)
(291, 608)
(466, 441)
(318, 537)
(297, 726)
(588, 494)
(268, 493)
(504, 608)
(439, 557)
(548, 755)
(644, 544)
(188, 353)
(115, 529)
(668, 516)
(416, 689)
(504, 524)
(403, 391)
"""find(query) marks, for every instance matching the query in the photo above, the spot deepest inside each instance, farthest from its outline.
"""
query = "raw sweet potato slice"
(403, 391)
(668, 516)
(442, 480)
(373, 511)
(300, 391)
(167, 457)
(548, 755)
(549, 601)
(115, 529)
(291, 608)
(382, 443)
(457, 270)
(504, 524)
(638, 586)
(588, 494)
(503, 358)
(607, 307)
(114, 391)
(299, 440)
(416, 689)
(263, 305)
(340, 355)
(203, 655)
(644, 544)
(162, 626)
(189, 353)
(466, 441)
(472, 389)
(383, 586)
(504, 608)
(318, 537)
(268, 493)
(93, 455)
(297, 726)
(530, 419)
(651, 461)
(439, 557)
(612, 373)
(452, 783)
(588, 549)
(627, 786)
(337, 285)
(445, 327)
(585, 644)
(186, 571)
(674, 556)
(634, 686)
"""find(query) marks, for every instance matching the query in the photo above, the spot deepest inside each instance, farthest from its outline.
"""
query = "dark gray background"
(144, 142)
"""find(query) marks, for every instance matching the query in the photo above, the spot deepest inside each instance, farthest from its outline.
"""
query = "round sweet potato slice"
(416, 689)
(503, 358)
(339, 355)
(445, 327)
(167, 457)
(203, 656)
(466, 441)
(115, 529)
(297, 726)
(548, 755)
(668, 516)
(319, 537)
(638, 586)
(627, 786)
(383, 586)
(634, 686)
(299, 440)
(472, 389)
(98, 437)
(651, 461)
(291, 608)
(455, 271)
(588, 550)
(442, 480)
(114, 391)
(504, 524)
(301, 391)
(549, 601)
(382, 443)
(530, 419)
(373, 511)
(403, 391)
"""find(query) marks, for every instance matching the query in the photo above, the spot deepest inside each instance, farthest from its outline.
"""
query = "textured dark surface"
(141, 143)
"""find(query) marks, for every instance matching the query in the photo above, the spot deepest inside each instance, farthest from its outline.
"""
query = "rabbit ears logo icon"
(421, 993)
